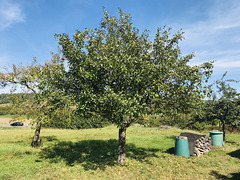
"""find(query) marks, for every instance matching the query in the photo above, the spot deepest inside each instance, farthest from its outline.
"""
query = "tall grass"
(92, 154)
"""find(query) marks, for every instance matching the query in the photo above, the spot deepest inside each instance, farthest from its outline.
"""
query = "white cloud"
(216, 37)
(10, 13)
(225, 14)
(9, 89)
(5, 90)
(223, 60)
(224, 63)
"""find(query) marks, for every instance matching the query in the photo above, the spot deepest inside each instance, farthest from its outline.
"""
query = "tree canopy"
(119, 73)
(43, 83)
(225, 104)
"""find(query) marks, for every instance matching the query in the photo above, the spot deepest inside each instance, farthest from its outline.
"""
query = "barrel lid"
(215, 132)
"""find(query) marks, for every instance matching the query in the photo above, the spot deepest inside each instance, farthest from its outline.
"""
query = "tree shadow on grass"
(235, 154)
(220, 176)
(93, 154)
(48, 138)
(232, 142)
(44, 139)
(170, 150)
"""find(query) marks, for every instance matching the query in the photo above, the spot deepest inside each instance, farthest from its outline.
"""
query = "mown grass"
(6, 116)
(92, 154)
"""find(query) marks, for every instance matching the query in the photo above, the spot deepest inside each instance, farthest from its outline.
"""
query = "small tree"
(42, 82)
(120, 74)
(225, 103)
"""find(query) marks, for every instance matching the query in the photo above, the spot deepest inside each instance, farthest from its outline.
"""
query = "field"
(4, 120)
(92, 154)
(8, 119)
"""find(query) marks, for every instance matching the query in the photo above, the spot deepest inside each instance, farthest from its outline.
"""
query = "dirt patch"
(5, 121)
(8, 121)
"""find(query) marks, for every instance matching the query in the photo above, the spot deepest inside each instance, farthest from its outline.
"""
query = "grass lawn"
(6, 116)
(92, 154)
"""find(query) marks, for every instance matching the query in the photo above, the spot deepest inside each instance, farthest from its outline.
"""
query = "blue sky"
(212, 27)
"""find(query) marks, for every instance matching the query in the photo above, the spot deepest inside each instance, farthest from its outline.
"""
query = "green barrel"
(217, 138)
(181, 146)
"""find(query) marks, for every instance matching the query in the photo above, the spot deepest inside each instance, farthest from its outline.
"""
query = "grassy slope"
(6, 116)
(91, 154)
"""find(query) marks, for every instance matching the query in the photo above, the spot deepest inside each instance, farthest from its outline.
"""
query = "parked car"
(17, 124)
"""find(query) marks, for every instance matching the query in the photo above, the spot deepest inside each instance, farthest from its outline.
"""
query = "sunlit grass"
(92, 154)
(6, 116)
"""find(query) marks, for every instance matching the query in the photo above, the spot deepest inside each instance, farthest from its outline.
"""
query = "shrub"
(76, 122)
(199, 126)
(4, 110)
(155, 120)
(151, 120)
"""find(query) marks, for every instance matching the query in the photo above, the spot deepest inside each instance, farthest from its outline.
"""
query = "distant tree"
(120, 74)
(4, 98)
(225, 104)
(42, 83)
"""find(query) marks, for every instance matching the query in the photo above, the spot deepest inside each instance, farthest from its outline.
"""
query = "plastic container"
(181, 146)
(217, 138)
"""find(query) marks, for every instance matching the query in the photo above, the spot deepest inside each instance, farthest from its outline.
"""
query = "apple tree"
(42, 95)
(119, 73)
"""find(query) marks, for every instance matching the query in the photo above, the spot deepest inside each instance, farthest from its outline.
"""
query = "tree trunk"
(36, 136)
(122, 146)
(223, 129)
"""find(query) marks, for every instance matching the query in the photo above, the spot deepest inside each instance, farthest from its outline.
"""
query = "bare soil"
(5, 121)
(8, 121)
